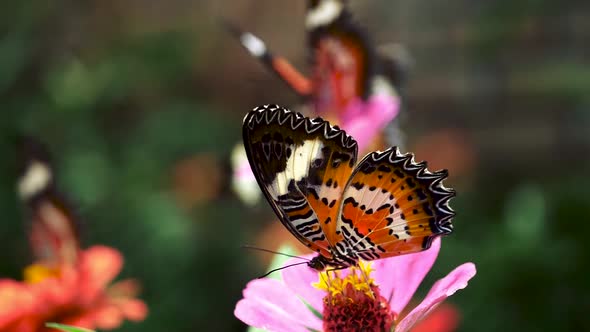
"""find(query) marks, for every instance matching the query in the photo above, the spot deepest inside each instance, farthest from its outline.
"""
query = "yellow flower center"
(38, 272)
(358, 278)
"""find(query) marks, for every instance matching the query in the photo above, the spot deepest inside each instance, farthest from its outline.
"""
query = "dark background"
(141, 103)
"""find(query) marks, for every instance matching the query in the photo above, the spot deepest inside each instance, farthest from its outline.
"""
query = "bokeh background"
(141, 103)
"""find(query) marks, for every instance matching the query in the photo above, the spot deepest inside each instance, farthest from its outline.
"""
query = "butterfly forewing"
(53, 232)
(301, 165)
(392, 206)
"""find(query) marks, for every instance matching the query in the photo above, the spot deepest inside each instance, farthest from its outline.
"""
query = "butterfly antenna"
(280, 268)
(273, 252)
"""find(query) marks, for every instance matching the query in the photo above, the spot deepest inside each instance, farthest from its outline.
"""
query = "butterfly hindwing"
(301, 165)
(392, 206)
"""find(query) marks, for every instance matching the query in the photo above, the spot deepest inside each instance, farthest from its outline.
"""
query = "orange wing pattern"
(301, 165)
(393, 206)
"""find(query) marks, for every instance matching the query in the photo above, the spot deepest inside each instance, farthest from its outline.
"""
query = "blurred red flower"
(445, 318)
(76, 294)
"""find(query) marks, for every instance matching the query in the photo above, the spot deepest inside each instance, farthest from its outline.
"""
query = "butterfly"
(345, 65)
(53, 227)
(385, 205)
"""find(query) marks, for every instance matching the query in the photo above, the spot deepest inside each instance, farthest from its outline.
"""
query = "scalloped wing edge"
(273, 113)
(441, 194)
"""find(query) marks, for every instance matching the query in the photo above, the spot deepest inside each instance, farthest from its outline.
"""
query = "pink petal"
(98, 266)
(269, 304)
(16, 300)
(108, 317)
(54, 292)
(299, 279)
(24, 325)
(442, 289)
(125, 288)
(398, 277)
(134, 310)
(365, 120)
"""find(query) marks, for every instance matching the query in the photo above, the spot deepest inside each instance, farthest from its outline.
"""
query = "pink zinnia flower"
(349, 300)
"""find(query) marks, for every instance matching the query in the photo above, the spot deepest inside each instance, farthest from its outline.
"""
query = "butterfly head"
(318, 263)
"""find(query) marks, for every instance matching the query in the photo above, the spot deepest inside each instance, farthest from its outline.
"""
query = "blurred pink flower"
(77, 294)
(365, 120)
(276, 305)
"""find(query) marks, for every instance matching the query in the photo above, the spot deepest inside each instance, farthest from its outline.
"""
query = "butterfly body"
(385, 205)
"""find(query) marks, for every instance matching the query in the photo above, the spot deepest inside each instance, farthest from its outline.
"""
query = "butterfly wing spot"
(36, 178)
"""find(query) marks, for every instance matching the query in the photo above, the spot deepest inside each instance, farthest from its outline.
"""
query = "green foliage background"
(122, 91)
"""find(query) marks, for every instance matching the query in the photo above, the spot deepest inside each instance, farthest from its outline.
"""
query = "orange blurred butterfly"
(345, 64)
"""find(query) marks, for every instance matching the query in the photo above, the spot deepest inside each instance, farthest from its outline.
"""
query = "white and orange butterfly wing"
(302, 166)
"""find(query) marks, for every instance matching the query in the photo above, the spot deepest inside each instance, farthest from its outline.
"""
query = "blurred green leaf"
(67, 328)
(88, 175)
(71, 86)
(14, 55)
(555, 78)
(525, 216)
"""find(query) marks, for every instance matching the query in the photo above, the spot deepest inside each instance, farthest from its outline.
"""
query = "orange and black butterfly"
(385, 205)
(53, 228)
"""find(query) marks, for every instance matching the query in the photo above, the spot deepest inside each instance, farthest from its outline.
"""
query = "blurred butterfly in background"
(53, 228)
(346, 66)
(386, 205)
